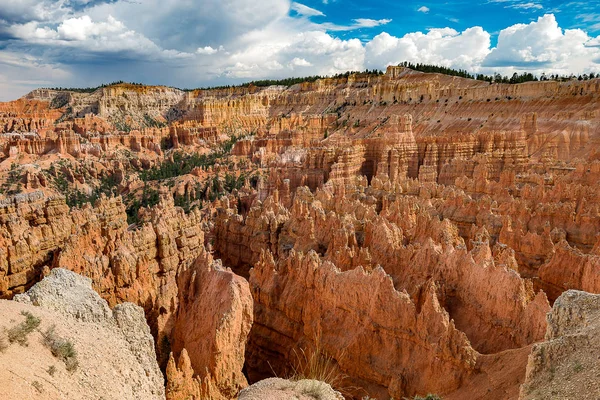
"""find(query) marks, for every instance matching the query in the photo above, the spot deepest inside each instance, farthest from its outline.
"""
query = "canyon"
(423, 233)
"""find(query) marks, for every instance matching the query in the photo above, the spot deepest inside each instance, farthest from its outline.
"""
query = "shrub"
(20, 332)
(61, 348)
(317, 365)
(314, 389)
(38, 386)
(428, 397)
(3, 342)
(51, 370)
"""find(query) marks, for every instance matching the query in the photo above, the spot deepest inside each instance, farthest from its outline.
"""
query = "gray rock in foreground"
(115, 349)
(283, 389)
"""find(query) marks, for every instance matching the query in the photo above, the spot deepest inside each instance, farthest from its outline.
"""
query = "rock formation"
(567, 364)
(281, 389)
(114, 349)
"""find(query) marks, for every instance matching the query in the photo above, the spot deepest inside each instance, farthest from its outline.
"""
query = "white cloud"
(423, 9)
(327, 55)
(300, 62)
(306, 11)
(519, 4)
(543, 45)
(32, 31)
(110, 36)
(527, 6)
(83, 28)
(371, 23)
(593, 42)
(207, 50)
(358, 23)
(438, 46)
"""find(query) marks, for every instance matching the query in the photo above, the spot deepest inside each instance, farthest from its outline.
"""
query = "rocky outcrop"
(281, 389)
(566, 365)
(215, 347)
(114, 348)
(583, 270)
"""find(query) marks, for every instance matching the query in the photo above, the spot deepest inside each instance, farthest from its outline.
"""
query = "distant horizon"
(207, 43)
(596, 75)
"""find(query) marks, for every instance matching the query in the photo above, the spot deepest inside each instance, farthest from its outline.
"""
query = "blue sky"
(194, 43)
(410, 16)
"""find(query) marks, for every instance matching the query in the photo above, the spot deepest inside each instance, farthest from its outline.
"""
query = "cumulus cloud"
(207, 50)
(89, 37)
(88, 42)
(423, 9)
(542, 44)
(300, 62)
(82, 28)
(438, 46)
(316, 51)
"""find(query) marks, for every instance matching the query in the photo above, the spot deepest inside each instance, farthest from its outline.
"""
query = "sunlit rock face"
(415, 228)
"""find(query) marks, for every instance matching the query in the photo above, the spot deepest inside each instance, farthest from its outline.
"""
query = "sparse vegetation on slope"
(93, 89)
(19, 333)
(428, 397)
(316, 364)
(61, 348)
(3, 342)
(182, 164)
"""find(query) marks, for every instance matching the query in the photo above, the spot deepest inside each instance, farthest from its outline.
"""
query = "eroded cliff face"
(414, 227)
(566, 364)
(302, 298)
(161, 266)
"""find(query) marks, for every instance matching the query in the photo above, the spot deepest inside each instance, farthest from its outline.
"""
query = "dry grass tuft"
(318, 365)
(61, 348)
(19, 333)
(314, 389)
(38, 386)
(3, 342)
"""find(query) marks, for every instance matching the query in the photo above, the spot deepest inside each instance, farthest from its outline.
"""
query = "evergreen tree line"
(429, 68)
(290, 81)
(496, 78)
(93, 89)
